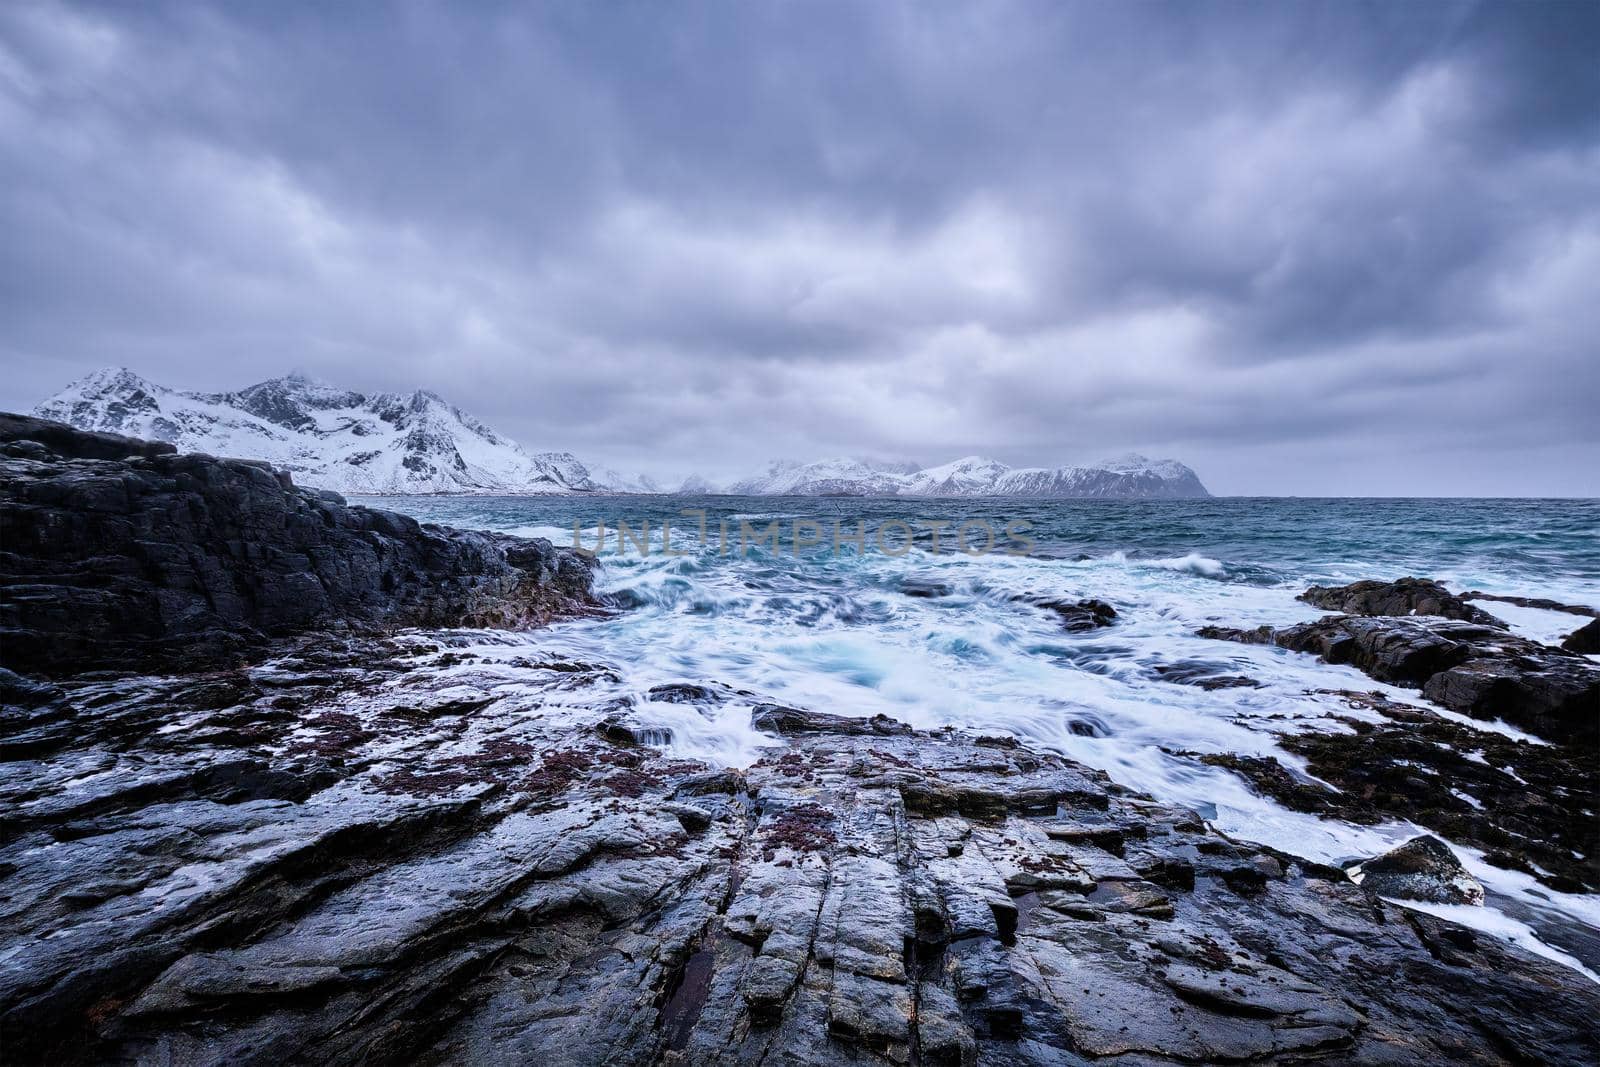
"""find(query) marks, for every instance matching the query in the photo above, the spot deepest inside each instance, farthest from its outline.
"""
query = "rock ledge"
(121, 554)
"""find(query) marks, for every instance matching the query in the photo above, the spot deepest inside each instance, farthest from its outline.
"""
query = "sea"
(919, 609)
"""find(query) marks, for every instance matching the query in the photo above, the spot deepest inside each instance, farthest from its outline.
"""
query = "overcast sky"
(1307, 248)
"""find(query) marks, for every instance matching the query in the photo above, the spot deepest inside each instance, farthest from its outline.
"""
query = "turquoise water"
(1526, 547)
(838, 631)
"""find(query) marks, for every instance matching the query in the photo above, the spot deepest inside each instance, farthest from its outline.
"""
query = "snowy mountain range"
(614, 481)
(1127, 477)
(852, 477)
(328, 438)
(383, 443)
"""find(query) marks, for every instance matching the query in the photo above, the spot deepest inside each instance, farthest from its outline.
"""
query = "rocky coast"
(118, 553)
(1529, 802)
(263, 803)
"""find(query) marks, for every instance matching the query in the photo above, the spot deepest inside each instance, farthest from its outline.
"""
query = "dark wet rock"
(1483, 671)
(1293, 791)
(1423, 868)
(1585, 640)
(444, 704)
(624, 732)
(492, 885)
(1260, 635)
(687, 693)
(117, 553)
(17, 691)
(1203, 675)
(723, 780)
(1528, 806)
(778, 719)
(1403, 596)
(572, 676)
(1225, 681)
(1534, 602)
(1077, 616)
(624, 599)
(1555, 697)
(1403, 651)
(925, 588)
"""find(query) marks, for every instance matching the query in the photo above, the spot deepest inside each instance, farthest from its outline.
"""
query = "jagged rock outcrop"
(341, 855)
(121, 553)
(1482, 671)
(1403, 596)
(1479, 669)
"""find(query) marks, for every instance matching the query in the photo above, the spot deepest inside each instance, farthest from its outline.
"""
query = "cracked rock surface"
(337, 855)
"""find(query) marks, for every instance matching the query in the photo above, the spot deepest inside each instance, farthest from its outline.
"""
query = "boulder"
(780, 719)
(1585, 640)
(1423, 868)
(1400, 651)
(1403, 596)
(924, 588)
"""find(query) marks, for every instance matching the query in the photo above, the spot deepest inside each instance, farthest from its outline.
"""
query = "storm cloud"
(1308, 248)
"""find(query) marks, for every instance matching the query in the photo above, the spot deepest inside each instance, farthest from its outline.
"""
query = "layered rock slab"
(397, 869)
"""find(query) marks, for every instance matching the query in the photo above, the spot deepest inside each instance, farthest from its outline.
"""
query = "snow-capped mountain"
(328, 438)
(969, 476)
(1127, 477)
(616, 482)
(1130, 478)
(695, 485)
(848, 476)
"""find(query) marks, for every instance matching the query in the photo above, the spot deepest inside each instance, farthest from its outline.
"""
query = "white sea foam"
(558, 535)
(835, 633)
(1551, 627)
(1501, 925)
(719, 734)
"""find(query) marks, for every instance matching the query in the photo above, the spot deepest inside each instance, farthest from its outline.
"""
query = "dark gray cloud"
(1321, 247)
